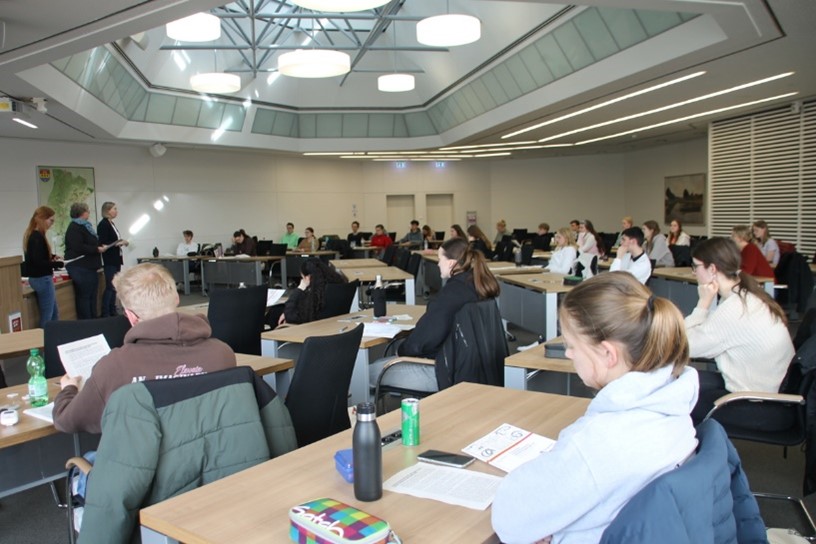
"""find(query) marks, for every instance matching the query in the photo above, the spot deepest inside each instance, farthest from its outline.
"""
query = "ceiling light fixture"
(215, 83)
(448, 30)
(23, 122)
(689, 117)
(314, 63)
(199, 27)
(491, 155)
(485, 145)
(339, 6)
(667, 107)
(607, 103)
(396, 82)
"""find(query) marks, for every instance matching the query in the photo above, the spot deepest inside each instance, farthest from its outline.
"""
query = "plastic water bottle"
(367, 454)
(37, 385)
(242, 285)
(378, 297)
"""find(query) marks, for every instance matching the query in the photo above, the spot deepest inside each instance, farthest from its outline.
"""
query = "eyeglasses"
(695, 265)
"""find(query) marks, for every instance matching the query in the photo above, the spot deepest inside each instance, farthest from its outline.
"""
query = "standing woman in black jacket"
(40, 263)
(81, 241)
(469, 280)
(112, 257)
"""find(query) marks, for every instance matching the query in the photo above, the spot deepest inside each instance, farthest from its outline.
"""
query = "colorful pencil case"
(327, 521)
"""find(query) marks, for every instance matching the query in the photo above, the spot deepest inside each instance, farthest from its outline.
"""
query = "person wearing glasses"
(746, 334)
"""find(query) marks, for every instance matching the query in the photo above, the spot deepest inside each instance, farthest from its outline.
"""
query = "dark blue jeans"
(46, 298)
(86, 283)
(109, 296)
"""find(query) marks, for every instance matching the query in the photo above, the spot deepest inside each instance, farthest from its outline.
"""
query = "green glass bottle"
(37, 384)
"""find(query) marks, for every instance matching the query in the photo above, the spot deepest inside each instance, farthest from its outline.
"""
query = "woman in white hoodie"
(631, 346)
(565, 253)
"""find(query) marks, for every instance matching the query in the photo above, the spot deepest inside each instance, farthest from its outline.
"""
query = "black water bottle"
(155, 252)
(378, 297)
(367, 454)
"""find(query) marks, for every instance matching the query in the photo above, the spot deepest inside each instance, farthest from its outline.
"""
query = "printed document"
(508, 447)
(273, 296)
(457, 486)
(80, 356)
(46, 413)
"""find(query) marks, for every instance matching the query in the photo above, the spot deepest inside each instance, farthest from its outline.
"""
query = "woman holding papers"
(40, 263)
(82, 258)
(112, 257)
(631, 346)
(565, 253)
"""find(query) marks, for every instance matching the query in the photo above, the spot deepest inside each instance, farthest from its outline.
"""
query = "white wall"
(214, 192)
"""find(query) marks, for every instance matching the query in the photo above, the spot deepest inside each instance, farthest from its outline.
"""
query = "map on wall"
(58, 187)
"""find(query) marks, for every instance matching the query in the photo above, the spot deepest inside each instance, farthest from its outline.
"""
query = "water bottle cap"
(34, 351)
(366, 408)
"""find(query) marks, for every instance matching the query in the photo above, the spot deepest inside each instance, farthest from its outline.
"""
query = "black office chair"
(401, 259)
(681, 254)
(527, 254)
(440, 235)
(393, 236)
(237, 317)
(318, 395)
(504, 250)
(56, 333)
(474, 351)
(338, 298)
(388, 255)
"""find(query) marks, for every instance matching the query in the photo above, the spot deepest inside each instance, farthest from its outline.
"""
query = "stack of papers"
(79, 357)
(381, 330)
(457, 486)
(509, 447)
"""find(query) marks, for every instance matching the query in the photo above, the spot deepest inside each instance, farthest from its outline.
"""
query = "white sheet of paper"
(80, 356)
(273, 296)
(381, 330)
(46, 413)
(66, 261)
(457, 486)
(508, 447)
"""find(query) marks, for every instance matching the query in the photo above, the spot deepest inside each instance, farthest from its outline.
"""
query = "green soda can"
(410, 422)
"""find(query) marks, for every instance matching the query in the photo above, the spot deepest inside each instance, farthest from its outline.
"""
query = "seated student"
(627, 222)
(501, 231)
(187, 246)
(677, 236)
(656, 246)
(753, 261)
(565, 253)
(575, 227)
(746, 334)
(242, 244)
(428, 237)
(291, 237)
(306, 302)
(309, 242)
(414, 236)
(162, 344)
(589, 241)
(456, 232)
(381, 238)
(631, 256)
(769, 247)
(355, 238)
(469, 280)
(543, 238)
(479, 241)
(629, 345)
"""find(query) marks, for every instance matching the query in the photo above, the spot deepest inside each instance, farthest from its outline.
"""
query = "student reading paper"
(631, 346)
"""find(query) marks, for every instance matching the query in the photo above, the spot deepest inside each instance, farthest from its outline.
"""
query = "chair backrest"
(681, 254)
(806, 328)
(277, 250)
(504, 249)
(338, 298)
(237, 317)
(366, 235)
(388, 255)
(401, 259)
(608, 239)
(707, 499)
(475, 348)
(393, 236)
(57, 333)
(527, 254)
(318, 395)
(414, 262)
(440, 235)
(543, 242)
(786, 247)
(159, 440)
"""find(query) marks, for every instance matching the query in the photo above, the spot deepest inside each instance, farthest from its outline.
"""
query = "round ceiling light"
(339, 6)
(215, 83)
(448, 30)
(199, 27)
(312, 63)
(395, 83)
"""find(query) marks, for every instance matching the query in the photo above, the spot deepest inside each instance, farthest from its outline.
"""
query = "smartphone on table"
(436, 457)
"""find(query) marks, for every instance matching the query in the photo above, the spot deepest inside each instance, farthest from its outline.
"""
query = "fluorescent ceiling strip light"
(688, 117)
(607, 103)
(668, 107)
(328, 153)
(24, 122)
(491, 155)
(397, 152)
(484, 145)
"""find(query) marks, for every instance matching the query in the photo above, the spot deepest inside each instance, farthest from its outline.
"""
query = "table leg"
(259, 273)
(359, 378)
(149, 536)
(515, 377)
(185, 269)
(410, 291)
(551, 318)
(355, 303)
(269, 348)
(282, 381)
(284, 280)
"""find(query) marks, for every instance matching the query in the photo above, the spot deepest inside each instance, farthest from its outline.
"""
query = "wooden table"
(342, 264)
(516, 366)
(531, 301)
(179, 267)
(252, 506)
(366, 251)
(19, 343)
(319, 253)
(271, 340)
(388, 273)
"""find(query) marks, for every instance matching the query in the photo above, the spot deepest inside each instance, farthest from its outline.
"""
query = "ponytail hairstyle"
(467, 259)
(766, 232)
(320, 274)
(38, 223)
(614, 306)
(726, 256)
(598, 240)
(478, 234)
(568, 235)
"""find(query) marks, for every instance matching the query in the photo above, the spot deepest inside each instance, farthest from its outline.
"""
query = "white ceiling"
(734, 42)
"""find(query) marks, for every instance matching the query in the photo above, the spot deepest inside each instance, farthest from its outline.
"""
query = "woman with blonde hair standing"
(40, 263)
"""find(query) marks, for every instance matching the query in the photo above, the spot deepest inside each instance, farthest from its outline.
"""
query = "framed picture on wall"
(685, 199)
(60, 186)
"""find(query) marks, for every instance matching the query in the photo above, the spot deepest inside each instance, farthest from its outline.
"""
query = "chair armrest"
(405, 359)
(80, 463)
(758, 396)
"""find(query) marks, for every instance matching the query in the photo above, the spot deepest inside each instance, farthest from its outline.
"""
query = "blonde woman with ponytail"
(469, 280)
(746, 334)
(631, 346)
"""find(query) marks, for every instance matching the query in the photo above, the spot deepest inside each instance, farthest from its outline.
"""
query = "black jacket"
(433, 328)
(78, 241)
(481, 246)
(107, 235)
(793, 271)
(38, 261)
